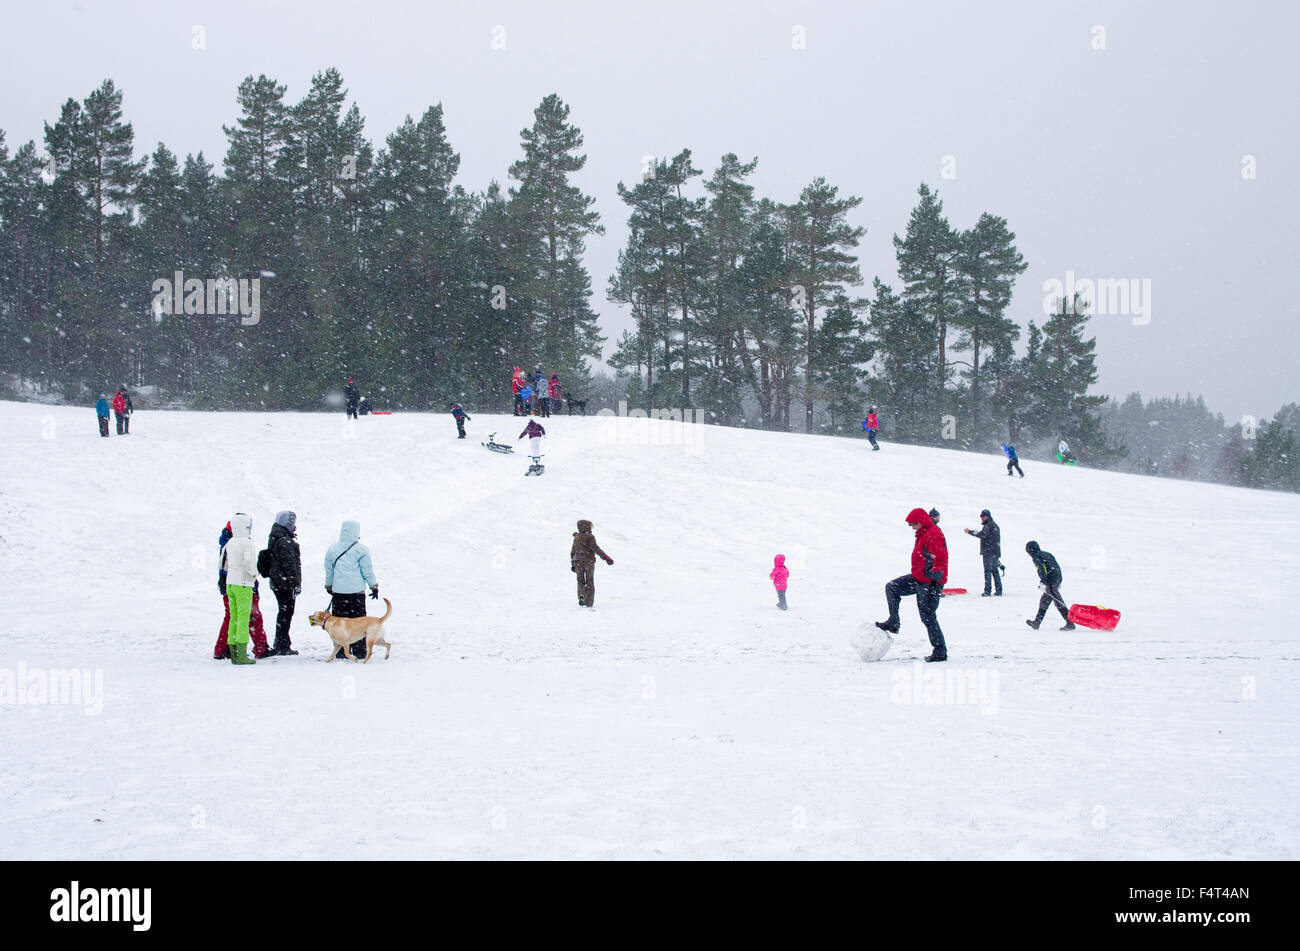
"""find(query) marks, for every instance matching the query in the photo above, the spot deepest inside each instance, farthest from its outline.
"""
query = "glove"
(221, 586)
(374, 592)
(297, 591)
(609, 561)
(573, 568)
(329, 590)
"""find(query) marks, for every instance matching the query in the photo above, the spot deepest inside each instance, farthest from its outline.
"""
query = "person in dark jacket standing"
(1012, 459)
(101, 411)
(1049, 573)
(990, 537)
(929, 572)
(285, 576)
(582, 562)
(460, 416)
(353, 398)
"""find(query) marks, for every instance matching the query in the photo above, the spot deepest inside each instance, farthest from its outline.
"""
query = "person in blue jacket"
(101, 410)
(1012, 459)
(348, 571)
(526, 395)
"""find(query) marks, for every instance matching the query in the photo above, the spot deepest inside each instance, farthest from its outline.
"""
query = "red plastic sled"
(381, 412)
(954, 590)
(1094, 616)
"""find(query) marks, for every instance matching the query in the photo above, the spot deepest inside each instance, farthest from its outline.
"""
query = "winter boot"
(239, 655)
(933, 658)
(888, 627)
(1069, 626)
(1033, 624)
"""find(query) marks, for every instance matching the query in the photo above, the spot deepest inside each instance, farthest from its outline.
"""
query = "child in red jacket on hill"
(780, 576)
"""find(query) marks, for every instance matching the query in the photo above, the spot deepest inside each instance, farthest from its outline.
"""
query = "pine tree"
(725, 229)
(557, 218)
(902, 385)
(774, 322)
(424, 305)
(929, 268)
(1063, 370)
(843, 348)
(820, 247)
(26, 336)
(989, 264)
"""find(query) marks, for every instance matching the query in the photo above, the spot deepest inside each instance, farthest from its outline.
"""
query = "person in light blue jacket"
(101, 410)
(348, 572)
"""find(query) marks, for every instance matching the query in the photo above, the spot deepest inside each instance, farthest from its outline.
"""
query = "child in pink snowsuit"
(780, 574)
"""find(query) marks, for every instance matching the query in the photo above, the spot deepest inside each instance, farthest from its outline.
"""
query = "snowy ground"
(685, 716)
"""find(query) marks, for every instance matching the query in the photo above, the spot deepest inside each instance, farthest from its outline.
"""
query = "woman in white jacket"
(240, 564)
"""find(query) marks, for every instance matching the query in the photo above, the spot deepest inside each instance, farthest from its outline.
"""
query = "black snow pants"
(991, 573)
(927, 605)
(283, 618)
(1050, 596)
(350, 605)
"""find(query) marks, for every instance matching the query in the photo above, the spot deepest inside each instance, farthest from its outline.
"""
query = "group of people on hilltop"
(348, 572)
(121, 408)
(536, 395)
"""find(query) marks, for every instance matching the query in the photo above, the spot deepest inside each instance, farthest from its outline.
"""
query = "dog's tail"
(389, 605)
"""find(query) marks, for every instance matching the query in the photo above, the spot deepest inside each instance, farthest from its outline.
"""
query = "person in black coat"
(1049, 573)
(286, 577)
(353, 398)
(460, 416)
(990, 537)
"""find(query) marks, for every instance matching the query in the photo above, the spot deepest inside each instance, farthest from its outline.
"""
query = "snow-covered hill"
(683, 717)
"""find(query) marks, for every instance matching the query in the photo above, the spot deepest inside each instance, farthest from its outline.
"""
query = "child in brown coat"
(582, 561)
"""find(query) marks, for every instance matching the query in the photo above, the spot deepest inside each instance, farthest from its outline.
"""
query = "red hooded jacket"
(517, 380)
(930, 553)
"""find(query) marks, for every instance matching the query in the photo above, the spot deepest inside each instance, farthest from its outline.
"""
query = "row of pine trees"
(371, 264)
(377, 264)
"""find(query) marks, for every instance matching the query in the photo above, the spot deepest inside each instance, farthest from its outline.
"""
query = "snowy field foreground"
(685, 717)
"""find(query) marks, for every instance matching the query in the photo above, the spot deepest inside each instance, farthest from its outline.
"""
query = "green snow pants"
(241, 608)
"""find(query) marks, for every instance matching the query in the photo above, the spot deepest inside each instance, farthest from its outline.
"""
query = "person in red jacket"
(517, 384)
(122, 410)
(871, 426)
(929, 572)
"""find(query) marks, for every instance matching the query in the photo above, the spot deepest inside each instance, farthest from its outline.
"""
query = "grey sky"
(1117, 163)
